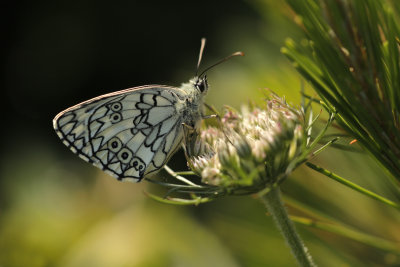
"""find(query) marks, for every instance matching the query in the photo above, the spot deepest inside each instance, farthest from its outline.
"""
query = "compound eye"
(200, 87)
(202, 84)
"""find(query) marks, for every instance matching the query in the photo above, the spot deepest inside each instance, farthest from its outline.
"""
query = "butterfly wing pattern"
(128, 134)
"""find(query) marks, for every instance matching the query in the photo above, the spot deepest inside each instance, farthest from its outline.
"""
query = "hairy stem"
(272, 201)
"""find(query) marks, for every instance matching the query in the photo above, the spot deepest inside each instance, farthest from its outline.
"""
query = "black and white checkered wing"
(129, 134)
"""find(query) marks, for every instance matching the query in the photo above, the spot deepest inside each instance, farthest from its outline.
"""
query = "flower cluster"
(251, 149)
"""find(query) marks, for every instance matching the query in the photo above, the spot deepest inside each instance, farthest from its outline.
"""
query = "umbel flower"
(251, 149)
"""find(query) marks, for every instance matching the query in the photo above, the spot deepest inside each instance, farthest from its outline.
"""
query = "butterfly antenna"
(222, 61)
(203, 44)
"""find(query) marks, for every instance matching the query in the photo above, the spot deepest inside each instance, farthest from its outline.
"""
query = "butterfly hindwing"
(128, 134)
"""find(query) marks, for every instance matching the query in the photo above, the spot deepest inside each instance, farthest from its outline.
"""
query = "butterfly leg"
(212, 109)
(216, 115)
(209, 116)
(187, 127)
(190, 136)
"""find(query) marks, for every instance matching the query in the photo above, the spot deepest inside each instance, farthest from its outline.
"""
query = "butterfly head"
(201, 84)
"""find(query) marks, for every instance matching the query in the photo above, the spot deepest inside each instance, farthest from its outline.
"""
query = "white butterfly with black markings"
(132, 133)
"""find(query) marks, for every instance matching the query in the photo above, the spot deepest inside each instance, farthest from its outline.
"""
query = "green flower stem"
(353, 185)
(322, 221)
(346, 231)
(179, 177)
(272, 201)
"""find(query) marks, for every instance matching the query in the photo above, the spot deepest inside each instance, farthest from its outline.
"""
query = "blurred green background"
(57, 210)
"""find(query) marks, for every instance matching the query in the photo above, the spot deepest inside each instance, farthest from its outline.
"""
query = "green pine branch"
(352, 60)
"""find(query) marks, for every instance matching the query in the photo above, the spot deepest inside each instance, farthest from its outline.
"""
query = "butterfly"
(132, 133)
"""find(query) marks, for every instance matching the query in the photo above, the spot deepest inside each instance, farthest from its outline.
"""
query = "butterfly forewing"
(128, 134)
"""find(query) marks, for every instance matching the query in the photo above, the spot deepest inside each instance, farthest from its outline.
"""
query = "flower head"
(251, 149)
